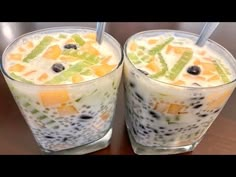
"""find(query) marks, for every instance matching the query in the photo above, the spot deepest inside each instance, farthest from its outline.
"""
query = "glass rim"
(180, 32)
(113, 41)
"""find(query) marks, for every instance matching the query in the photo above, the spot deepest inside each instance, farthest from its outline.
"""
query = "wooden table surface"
(16, 137)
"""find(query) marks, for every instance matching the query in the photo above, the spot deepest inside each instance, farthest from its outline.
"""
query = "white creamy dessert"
(174, 90)
(65, 85)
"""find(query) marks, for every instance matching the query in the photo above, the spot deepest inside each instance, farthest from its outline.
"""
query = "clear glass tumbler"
(153, 125)
(89, 128)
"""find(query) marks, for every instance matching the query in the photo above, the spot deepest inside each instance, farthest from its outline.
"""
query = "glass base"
(85, 149)
(161, 150)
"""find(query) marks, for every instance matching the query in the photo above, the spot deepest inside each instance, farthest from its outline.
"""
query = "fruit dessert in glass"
(174, 89)
(65, 85)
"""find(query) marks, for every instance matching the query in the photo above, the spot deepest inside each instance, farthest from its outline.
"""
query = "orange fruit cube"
(77, 78)
(65, 110)
(153, 66)
(152, 41)
(16, 68)
(54, 97)
(175, 108)
(43, 76)
(105, 116)
(103, 69)
(52, 52)
(133, 46)
(15, 56)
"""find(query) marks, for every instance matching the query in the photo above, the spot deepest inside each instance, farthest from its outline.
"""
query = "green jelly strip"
(38, 49)
(66, 74)
(78, 39)
(159, 47)
(221, 72)
(71, 52)
(62, 36)
(164, 68)
(19, 78)
(134, 58)
(77, 100)
(145, 58)
(42, 117)
(26, 104)
(179, 65)
(90, 58)
(87, 72)
(34, 111)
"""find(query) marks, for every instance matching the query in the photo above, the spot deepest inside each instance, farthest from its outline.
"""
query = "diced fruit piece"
(147, 58)
(78, 39)
(221, 72)
(91, 36)
(16, 77)
(16, 68)
(133, 46)
(168, 49)
(71, 52)
(197, 62)
(176, 108)
(105, 116)
(70, 46)
(62, 36)
(86, 72)
(203, 52)
(159, 47)
(90, 49)
(140, 53)
(216, 100)
(161, 107)
(38, 49)
(66, 74)
(213, 78)
(65, 110)
(29, 44)
(29, 72)
(179, 65)
(180, 50)
(207, 72)
(21, 49)
(152, 41)
(208, 66)
(16, 56)
(133, 57)
(106, 60)
(153, 66)
(43, 77)
(102, 70)
(77, 78)
(58, 67)
(90, 58)
(164, 68)
(54, 97)
(179, 83)
(194, 70)
(70, 41)
(52, 52)
(176, 49)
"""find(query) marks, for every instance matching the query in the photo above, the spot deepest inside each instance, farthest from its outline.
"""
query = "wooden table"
(16, 137)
